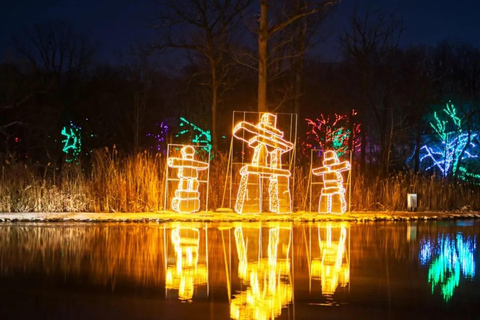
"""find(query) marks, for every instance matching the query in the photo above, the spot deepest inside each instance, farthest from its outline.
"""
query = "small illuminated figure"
(187, 196)
(332, 198)
(268, 144)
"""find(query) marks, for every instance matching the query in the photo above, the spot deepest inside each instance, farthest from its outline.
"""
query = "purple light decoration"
(160, 137)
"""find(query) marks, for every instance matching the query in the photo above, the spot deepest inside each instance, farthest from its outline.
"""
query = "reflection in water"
(268, 279)
(332, 266)
(187, 272)
(449, 257)
(242, 271)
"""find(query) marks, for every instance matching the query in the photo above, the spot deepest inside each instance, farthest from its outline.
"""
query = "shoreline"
(169, 216)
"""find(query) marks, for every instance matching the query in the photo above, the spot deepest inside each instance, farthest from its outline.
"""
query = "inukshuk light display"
(187, 196)
(268, 144)
(332, 198)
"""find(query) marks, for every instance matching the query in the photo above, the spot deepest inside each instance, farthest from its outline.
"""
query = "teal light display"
(450, 259)
(453, 144)
(72, 144)
(197, 134)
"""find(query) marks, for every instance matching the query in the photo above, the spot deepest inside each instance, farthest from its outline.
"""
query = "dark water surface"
(417, 270)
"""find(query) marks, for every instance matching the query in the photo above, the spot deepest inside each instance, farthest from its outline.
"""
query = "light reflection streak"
(331, 264)
(449, 258)
(187, 273)
(268, 279)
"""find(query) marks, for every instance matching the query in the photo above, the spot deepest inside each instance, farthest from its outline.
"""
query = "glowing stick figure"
(187, 197)
(332, 199)
(269, 145)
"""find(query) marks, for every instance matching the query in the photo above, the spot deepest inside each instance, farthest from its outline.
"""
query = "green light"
(200, 136)
(456, 259)
(72, 144)
(453, 146)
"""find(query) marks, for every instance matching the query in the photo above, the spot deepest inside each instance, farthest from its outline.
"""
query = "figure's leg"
(274, 206)
(339, 205)
(279, 192)
(324, 203)
(248, 197)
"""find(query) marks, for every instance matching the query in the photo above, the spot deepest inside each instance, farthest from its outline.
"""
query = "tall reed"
(114, 183)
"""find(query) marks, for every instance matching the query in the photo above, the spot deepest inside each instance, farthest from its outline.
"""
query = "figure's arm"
(320, 171)
(187, 163)
(342, 166)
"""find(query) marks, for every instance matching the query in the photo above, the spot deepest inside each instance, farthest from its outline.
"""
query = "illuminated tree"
(336, 132)
(72, 144)
(196, 134)
(453, 144)
(160, 137)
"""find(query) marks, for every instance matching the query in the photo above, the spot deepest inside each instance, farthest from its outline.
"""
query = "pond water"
(415, 270)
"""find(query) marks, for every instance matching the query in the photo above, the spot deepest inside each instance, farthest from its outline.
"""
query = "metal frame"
(168, 179)
(311, 182)
(290, 135)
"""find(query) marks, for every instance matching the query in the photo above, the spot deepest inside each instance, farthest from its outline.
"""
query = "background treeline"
(211, 58)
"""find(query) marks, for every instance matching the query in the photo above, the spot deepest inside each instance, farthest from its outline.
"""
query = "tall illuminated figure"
(187, 196)
(332, 198)
(268, 144)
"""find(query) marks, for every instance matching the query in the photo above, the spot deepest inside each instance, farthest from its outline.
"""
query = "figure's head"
(188, 152)
(269, 119)
(330, 158)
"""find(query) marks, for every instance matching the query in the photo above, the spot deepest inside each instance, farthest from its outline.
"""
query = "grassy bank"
(110, 183)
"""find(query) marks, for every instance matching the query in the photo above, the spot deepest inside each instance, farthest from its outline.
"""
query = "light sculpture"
(337, 132)
(332, 198)
(455, 145)
(187, 272)
(269, 145)
(160, 137)
(187, 196)
(72, 144)
(199, 136)
(269, 287)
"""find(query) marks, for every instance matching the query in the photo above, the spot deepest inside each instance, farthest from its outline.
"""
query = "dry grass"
(113, 183)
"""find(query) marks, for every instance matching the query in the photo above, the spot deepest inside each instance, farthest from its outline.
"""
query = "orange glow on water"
(268, 279)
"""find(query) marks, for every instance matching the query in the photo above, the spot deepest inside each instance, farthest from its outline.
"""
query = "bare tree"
(293, 12)
(371, 45)
(206, 27)
(55, 48)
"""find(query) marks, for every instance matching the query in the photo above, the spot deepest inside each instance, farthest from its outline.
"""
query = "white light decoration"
(332, 198)
(187, 195)
(269, 145)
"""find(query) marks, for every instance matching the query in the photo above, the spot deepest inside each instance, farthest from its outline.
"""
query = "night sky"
(116, 24)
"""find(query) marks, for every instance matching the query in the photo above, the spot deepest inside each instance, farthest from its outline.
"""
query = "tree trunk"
(299, 69)
(262, 57)
(214, 107)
